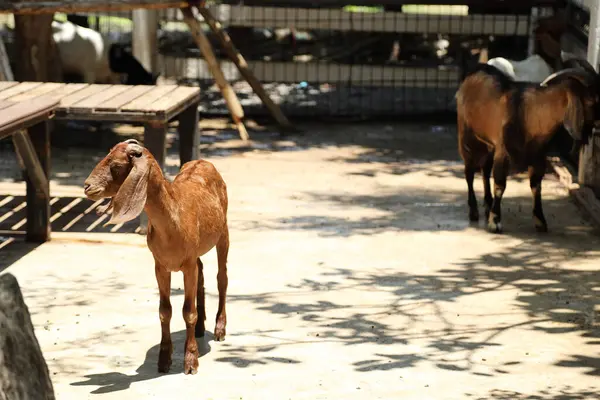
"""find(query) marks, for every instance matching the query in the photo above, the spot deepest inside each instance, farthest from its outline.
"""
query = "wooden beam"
(38, 204)
(71, 6)
(144, 37)
(242, 66)
(235, 108)
(34, 169)
(189, 134)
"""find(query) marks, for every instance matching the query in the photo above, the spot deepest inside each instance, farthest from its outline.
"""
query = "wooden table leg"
(38, 204)
(155, 140)
(189, 134)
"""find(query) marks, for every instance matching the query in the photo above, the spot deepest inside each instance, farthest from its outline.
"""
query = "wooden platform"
(105, 102)
(153, 106)
(33, 146)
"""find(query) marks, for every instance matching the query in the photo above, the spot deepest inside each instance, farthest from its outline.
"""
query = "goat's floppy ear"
(574, 117)
(105, 209)
(129, 201)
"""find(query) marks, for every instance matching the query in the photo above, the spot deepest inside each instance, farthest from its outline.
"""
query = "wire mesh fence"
(338, 60)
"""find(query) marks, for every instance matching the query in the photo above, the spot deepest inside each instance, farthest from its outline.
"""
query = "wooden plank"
(242, 66)
(18, 89)
(18, 115)
(231, 99)
(40, 90)
(4, 104)
(118, 101)
(177, 97)
(148, 98)
(66, 90)
(7, 85)
(189, 134)
(91, 90)
(97, 99)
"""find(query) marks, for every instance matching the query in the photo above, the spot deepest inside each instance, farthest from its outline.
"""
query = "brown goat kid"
(505, 126)
(186, 218)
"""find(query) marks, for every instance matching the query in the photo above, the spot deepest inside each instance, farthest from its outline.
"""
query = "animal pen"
(375, 58)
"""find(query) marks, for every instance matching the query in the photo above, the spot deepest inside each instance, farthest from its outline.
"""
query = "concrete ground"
(353, 274)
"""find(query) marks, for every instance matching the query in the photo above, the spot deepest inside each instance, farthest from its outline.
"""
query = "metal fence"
(377, 58)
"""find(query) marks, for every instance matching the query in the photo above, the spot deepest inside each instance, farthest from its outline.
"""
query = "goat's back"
(196, 215)
(200, 178)
(481, 105)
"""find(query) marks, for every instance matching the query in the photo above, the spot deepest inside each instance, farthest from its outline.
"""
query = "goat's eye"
(117, 169)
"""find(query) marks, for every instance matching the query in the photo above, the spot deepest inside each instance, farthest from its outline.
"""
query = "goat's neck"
(160, 203)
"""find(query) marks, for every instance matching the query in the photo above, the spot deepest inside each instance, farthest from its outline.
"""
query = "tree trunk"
(35, 51)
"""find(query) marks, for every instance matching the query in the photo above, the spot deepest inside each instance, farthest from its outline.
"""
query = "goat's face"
(123, 176)
(107, 177)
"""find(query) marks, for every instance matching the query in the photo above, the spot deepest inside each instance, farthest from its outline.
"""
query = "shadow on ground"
(116, 381)
(566, 392)
(553, 275)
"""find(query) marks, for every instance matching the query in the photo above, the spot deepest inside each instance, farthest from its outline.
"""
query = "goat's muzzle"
(92, 192)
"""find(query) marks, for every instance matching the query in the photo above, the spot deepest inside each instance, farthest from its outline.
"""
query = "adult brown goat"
(186, 218)
(505, 126)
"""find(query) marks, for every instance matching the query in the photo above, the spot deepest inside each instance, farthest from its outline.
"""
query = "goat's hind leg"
(190, 316)
(471, 200)
(486, 171)
(163, 277)
(222, 282)
(200, 301)
(536, 174)
(500, 171)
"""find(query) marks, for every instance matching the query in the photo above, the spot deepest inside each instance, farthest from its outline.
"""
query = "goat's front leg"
(222, 282)
(190, 316)
(163, 277)
(500, 171)
(536, 174)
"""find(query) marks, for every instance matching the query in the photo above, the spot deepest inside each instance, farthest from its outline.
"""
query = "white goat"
(84, 52)
(533, 69)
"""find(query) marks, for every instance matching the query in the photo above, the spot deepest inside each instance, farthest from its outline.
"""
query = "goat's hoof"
(190, 363)
(164, 367)
(495, 227)
(219, 333)
(540, 225)
(164, 358)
